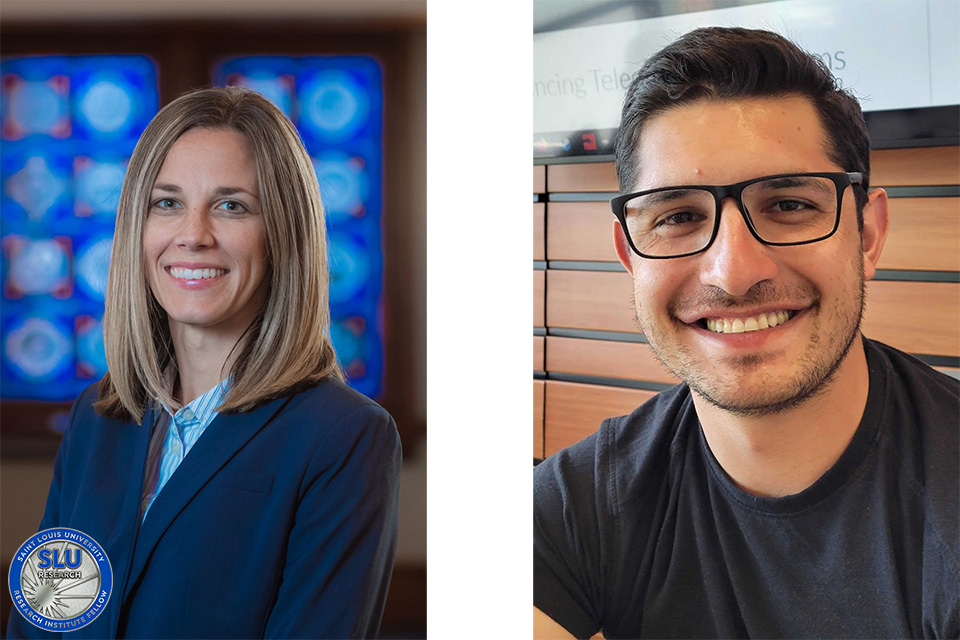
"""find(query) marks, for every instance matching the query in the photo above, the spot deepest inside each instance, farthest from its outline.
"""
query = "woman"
(239, 488)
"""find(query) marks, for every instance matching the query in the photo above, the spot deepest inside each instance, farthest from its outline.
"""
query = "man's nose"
(195, 231)
(736, 260)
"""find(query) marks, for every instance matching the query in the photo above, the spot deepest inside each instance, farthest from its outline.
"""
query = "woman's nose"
(195, 231)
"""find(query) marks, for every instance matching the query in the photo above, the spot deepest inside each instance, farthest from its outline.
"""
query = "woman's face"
(204, 238)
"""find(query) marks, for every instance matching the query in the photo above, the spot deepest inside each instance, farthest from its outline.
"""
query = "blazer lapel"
(120, 548)
(226, 435)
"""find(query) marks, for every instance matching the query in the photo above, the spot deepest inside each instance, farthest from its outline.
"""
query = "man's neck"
(784, 453)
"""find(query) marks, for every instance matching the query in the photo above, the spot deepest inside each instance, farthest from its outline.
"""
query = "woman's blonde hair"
(288, 345)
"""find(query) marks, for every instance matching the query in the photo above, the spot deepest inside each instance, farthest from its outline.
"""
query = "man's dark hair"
(730, 63)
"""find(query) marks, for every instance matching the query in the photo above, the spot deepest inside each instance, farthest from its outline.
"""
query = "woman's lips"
(196, 279)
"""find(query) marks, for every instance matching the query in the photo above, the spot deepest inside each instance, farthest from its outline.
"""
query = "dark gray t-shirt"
(639, 532)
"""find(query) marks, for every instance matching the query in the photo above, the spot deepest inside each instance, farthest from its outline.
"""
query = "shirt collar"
(202, 407)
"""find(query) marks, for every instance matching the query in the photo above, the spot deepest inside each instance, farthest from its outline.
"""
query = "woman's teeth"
(743, 325)
(195, 274)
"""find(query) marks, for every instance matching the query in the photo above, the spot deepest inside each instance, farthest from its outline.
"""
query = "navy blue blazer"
(280, 522)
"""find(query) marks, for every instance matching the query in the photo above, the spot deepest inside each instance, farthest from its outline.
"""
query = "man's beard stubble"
(814, 375)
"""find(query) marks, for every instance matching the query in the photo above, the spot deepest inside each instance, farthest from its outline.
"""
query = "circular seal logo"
(60, 579)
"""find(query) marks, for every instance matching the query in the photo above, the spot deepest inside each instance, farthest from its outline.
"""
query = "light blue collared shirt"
(173, 436)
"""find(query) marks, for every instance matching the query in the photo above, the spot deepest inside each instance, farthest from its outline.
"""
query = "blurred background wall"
(80, 80)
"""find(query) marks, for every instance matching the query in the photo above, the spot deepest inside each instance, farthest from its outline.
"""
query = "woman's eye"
(232, 206)
(165, 203)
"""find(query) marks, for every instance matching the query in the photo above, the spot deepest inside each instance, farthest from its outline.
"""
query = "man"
(803, 482)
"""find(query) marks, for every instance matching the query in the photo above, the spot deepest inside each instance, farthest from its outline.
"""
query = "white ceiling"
(406, 12)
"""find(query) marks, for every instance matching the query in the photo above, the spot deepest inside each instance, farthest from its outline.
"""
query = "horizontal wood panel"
(539, 231)
(573, 411)
(590, 176)
(606, 358)
(917, 166)
(580, 231)
(539, 179)
(924, 235)
(590, 300)
(539, 298)
(888, 168)
(538, 353)
(917, 317)
(538, 395)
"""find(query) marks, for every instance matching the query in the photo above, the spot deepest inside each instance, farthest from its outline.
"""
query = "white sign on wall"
(893, 54)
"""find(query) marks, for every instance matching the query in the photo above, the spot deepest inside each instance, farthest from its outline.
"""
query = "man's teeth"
(195, 274)
(743, 325)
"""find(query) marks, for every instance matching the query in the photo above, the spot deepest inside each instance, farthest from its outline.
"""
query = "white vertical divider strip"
(479, 400)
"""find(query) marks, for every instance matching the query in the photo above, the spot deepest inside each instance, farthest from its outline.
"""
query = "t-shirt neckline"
(837, 475)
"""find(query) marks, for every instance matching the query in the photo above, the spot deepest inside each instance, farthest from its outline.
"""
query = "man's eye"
(679, 218)
(790, 205)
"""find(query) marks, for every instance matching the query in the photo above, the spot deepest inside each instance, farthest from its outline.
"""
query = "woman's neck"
(203, 360)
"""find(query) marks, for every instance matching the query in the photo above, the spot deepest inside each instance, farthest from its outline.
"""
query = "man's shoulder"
(655, 425)
(920, 407)
(921, 427)
(598, 500)
(632, 446)
(921, 382)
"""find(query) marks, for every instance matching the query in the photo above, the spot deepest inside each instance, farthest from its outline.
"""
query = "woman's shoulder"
(83, 412)
(333, 398)
(339, 408)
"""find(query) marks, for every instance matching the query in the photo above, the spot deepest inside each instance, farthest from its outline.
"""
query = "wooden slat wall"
(924, 235)
(573, 411)
(888, 168)
(573, 302)
(539, 179)
(581, 231)
(606, 359)
(539, 231)
(912, 167)
(601, 301)
(539, 298)
(538, 395)
(538, 353)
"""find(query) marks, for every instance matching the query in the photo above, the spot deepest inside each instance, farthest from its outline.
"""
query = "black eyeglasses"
(782, 211)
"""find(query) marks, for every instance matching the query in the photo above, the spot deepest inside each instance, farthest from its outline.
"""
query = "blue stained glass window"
(68, 125)
(336, 103)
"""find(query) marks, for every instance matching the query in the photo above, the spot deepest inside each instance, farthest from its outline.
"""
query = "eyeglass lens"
(793, 209)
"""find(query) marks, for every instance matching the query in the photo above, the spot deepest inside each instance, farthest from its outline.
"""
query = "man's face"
(819, 286)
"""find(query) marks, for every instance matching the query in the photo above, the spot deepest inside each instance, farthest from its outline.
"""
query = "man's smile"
(730, 320)
(744, 325)
(751, 328)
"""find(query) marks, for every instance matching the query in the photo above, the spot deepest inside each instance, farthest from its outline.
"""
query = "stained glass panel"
(336, 103)
(68, 125)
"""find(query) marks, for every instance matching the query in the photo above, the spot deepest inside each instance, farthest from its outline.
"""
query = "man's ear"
(874, 234)
(624, 252)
